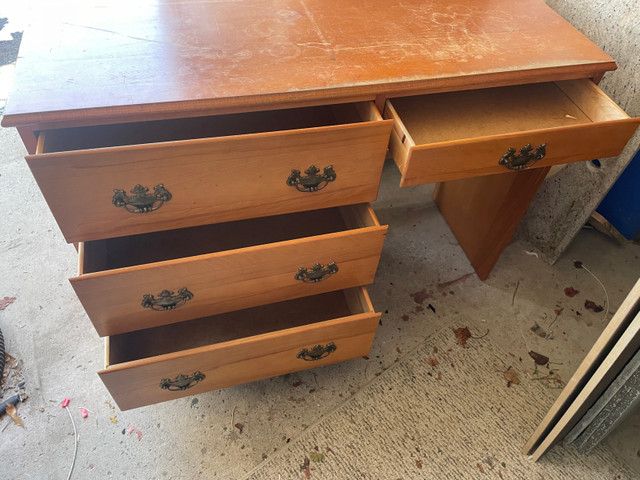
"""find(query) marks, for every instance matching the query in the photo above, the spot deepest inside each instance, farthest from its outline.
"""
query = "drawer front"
(594, 128)
(138, 383)
(127, 299)
(198, 182)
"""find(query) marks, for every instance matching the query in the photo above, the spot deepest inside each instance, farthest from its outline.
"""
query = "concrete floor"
(58, 351)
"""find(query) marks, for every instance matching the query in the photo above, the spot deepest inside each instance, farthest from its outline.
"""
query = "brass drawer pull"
(526, 158)
(166, 300)
(140, 201)
(317, 273)
(313, 181)
(182, 382)
(317, 353)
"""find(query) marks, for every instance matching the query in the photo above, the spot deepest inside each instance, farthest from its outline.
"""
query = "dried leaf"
(305, 467)
(296, 384)
(130, 429)
(316, 457)
(433, 362)
(398, 350)
(239, 426)
(589, 305)
(435, 349)
(511, 377)
(418, 464)
(420, 297)
(480, 468)
(539, 358)
(439, 377)
(571, 292)
(13, 413)
(462, 335)
(6, 301)
(558, 310)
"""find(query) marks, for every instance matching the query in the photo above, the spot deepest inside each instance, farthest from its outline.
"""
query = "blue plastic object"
(621, 206)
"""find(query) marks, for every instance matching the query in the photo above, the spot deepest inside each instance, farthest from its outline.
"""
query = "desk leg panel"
(483, 212)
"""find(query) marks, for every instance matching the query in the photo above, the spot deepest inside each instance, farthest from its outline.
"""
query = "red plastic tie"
(65, 402)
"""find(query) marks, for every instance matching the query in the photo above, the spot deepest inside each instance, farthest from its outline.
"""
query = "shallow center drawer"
(114, 180)
(153, 279)
(164, 363)
(454, 135)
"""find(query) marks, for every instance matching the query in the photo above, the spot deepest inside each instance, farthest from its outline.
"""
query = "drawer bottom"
(173, 361)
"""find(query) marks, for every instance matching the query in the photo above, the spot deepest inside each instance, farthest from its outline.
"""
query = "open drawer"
(114, 180)
(153, 279)
(462, 134)
(164, 363)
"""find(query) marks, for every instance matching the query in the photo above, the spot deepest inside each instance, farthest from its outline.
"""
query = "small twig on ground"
(579, 264)
(524, 340)
(548, 333)
(514, 292)
(482, 336)
(233, 413)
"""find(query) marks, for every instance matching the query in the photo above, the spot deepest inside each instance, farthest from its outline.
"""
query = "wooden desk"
(210, 103)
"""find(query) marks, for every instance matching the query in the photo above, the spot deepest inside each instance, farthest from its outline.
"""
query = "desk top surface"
(136, 59)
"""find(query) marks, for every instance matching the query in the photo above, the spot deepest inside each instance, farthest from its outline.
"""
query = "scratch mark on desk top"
(316, 27)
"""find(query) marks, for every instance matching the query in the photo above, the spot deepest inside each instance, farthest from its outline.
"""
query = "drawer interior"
(120, 252)
(452, 116)
(80, 138)
(235, 325)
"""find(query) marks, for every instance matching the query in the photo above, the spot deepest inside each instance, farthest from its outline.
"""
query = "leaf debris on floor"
(12, 411)
(591, 305)
(539, 358)
(316, 456)
(462, 335)
(6, 301)
(571, 292)
(131, 429)
(421, 296)
(511, 376)
(306, 467)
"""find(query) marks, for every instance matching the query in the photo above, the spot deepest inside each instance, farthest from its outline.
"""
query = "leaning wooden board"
(592, 376)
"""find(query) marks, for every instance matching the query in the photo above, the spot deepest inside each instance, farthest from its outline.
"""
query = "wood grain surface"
(256, 271)
(215, 179)
(237, 347)
(97, 61)
(456, 135)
